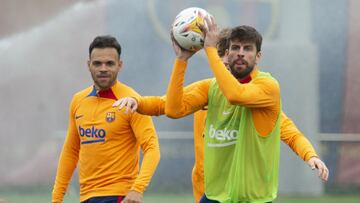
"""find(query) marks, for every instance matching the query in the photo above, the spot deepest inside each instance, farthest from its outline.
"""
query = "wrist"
(310, 157)
(136, 191)
(182, 58)
(209, 45)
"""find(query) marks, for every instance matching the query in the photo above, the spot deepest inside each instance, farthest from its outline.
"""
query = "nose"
(103, 67)
(241, 52)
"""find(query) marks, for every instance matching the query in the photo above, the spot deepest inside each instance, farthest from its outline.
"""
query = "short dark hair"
(246, 33)
(105, 41)
(223, 42)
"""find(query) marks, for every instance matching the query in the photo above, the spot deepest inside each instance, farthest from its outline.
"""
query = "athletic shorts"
(105, 199)
(204, 199)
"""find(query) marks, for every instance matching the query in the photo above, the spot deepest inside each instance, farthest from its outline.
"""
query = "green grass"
(72, 196)
(321, 199)
(164, 198)
(35, 196)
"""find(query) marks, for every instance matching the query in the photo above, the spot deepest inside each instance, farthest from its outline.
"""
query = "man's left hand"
(210, 31)
(315, 162)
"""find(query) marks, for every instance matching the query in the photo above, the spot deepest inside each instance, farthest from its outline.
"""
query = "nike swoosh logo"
(77, 117)
(226, 112)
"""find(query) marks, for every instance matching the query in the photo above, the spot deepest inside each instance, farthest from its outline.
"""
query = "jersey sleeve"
(291, 135)
(180, 103)
(145, 134)
(155, 105)
(261, 92)
(151, 105)
(68, 158)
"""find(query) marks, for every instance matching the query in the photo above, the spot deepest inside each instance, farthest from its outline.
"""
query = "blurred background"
(310, 46)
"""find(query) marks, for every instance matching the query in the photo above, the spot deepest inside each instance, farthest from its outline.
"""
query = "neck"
(245, 79)
(98, 89)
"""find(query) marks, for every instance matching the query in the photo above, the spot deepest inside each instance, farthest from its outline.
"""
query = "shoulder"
(83, 93)
(123, 90)
(201, 85)
(266, 80)
(204, 82)
(265, 77)
(80, 96)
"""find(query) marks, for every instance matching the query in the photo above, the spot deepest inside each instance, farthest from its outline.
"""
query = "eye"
(248, 48)
(96, 63)
(110, 63)
(234, 47)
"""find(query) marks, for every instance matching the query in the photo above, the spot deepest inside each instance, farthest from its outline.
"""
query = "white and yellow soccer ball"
(185, 28)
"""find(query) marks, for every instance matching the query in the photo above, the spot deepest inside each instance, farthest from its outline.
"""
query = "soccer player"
(103, 141)
(242, 132)
(289, 132)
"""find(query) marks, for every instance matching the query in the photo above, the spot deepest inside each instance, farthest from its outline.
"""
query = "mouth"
(240, 63)
(103, 77)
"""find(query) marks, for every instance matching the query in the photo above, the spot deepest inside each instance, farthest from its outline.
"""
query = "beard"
(104, 84)
(241, 73)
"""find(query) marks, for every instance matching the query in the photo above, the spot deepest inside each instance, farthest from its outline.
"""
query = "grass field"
(72, 197)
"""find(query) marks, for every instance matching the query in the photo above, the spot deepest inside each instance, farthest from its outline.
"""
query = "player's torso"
(98, 122)
(108, 146)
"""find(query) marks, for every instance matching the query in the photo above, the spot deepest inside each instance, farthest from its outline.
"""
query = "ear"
(258, 57)
(88, 64)
(225, 58)
(226, 52)
(120, 64)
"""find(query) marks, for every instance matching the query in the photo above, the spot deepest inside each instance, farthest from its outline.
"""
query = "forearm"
(151, 105)
(224, 78)
(149, 164)
(66, 166)
(302, 147)
(151, 158)
(177, 105)
(292, 136)
(145, 134)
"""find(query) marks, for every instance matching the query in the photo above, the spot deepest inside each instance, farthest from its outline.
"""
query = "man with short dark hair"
(154, 105)
(106, 142)
(242, 132)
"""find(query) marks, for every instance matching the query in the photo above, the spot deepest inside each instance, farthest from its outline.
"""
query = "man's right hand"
(128, 102)
(180, 53)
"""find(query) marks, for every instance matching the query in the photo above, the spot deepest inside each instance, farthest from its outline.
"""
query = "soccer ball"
(185, 30)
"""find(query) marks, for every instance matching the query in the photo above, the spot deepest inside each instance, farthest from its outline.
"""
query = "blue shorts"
(105, 199)
(204, 199)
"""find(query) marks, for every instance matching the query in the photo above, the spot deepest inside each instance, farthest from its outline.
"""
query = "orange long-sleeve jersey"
(106, 143)
(261, 95)
(155, 106)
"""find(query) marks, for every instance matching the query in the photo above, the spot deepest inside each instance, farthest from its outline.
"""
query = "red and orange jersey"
(106, 144)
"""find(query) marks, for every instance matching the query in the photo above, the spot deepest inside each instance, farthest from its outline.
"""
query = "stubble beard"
(240, 74)
(104, 85)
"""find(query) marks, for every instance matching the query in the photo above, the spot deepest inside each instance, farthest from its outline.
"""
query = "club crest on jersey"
(110, 117)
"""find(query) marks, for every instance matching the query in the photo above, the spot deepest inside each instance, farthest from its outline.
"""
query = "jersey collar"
(107, 94)
(248, 78)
